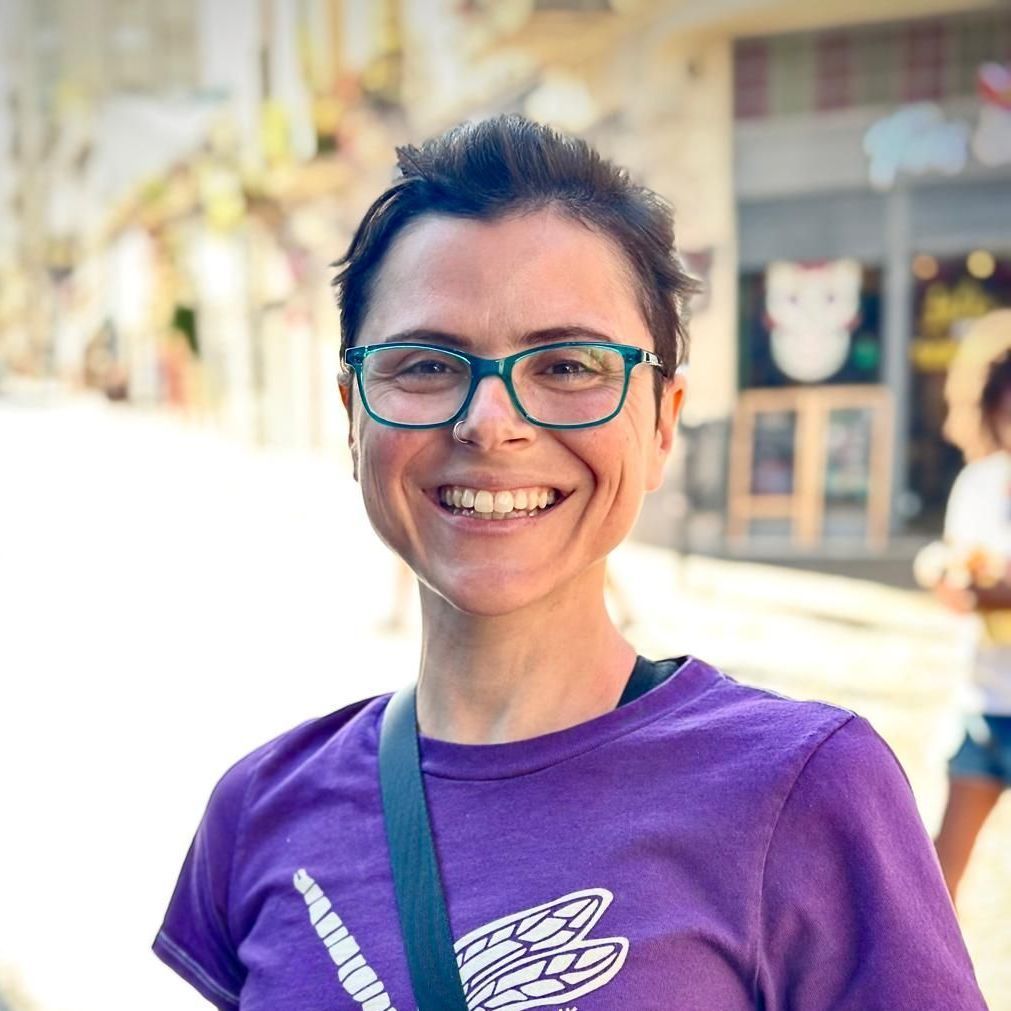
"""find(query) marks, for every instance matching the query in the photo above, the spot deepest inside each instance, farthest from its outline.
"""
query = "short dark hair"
(997, 384)
(506, 165)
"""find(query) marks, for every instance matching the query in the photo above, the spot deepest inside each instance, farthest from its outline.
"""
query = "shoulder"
(782, 760)
(984, 471)
(850, 888)
(754, 742)
(848, 802)
(284, 758)
(759, 722)
(976, 497)
(852, 769)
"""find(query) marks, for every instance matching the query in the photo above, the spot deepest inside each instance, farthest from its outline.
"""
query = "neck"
(490, 680)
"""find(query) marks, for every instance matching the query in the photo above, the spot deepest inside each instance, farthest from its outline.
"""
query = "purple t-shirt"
(707, 847)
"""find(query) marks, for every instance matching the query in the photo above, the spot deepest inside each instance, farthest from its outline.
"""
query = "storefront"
(873, 182)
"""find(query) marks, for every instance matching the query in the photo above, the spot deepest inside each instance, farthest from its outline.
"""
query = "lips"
(502, 504)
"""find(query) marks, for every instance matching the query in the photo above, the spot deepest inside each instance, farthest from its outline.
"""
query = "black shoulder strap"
(421, 903)
(646, 674)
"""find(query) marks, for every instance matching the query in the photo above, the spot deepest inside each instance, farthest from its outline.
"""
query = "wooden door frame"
(804, 507)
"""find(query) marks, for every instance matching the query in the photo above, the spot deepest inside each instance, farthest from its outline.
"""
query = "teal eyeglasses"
(572, 384)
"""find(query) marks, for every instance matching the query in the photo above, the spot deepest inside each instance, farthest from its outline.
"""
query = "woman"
(708, 845)
(977, 532)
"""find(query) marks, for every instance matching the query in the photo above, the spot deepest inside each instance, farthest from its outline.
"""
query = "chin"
(487, 595)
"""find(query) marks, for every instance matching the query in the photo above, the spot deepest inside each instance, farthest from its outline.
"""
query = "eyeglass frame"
(483, 368)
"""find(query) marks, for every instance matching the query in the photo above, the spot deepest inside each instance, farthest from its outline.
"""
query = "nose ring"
(456, 434)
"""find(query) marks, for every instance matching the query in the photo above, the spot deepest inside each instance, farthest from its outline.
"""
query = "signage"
(991, 143)
(920, 138)
(916, 139)
(812, 310)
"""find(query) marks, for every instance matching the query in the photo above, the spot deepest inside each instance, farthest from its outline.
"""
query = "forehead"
(493, 281)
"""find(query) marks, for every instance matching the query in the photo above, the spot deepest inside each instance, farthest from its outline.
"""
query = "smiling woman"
(621, 831)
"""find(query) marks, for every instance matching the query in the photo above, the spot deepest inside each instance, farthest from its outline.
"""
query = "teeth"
(500, 504)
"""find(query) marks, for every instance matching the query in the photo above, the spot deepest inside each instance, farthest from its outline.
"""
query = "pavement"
(171, 598)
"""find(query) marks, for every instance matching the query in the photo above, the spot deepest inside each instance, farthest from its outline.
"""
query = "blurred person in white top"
(977, 533)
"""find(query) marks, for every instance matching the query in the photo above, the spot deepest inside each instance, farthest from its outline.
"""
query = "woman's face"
(491, 288)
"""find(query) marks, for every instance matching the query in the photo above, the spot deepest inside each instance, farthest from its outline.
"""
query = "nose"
(492, 420)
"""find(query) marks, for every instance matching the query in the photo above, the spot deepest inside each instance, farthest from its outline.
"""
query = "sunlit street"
(169, 600)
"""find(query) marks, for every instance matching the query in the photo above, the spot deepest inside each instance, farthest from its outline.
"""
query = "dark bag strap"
(646, 675)
(421, 903)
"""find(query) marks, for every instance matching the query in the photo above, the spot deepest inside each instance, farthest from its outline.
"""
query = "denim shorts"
(985, 750)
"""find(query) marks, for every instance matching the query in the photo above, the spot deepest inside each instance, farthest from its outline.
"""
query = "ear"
(346, 399)
(671, 399)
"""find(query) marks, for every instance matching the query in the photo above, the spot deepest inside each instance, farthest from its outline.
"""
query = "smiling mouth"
(498, 505)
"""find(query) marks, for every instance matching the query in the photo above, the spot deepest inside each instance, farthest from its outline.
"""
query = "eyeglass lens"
(556, 386)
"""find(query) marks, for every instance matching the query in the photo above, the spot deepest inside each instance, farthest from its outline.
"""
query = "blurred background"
(185, 568)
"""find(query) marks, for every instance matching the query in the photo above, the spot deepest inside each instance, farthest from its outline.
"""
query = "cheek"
(615, 457)
(381, 459)
(392, 466)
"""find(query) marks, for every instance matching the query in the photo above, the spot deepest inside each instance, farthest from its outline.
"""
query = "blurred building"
(873, 181)
(180, 177)
(841, 175)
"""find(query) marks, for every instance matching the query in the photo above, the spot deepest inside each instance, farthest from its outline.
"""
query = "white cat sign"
(811, 312)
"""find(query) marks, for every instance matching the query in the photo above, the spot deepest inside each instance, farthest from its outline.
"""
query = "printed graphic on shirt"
(540, 956)
(354, 973)
(532, 958)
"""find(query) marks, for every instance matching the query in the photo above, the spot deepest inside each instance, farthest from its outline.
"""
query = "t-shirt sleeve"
(195, 939)
(854, 913)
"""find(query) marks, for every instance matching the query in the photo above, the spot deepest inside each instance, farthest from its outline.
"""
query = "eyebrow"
(545, 335)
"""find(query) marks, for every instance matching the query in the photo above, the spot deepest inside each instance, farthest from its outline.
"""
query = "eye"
(421, 364)
(427, 367)
(567, 367)
(571, 361)
(414, 366)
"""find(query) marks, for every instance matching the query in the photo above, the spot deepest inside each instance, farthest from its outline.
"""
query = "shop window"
(811, 443)
(875, 58)
(804, 323)
(924, 62)
(811, 466)
(834, 71)
(791, 74)
(773, 448)
(751, 79)
(849, 436)
(879, 64)
(971, 45)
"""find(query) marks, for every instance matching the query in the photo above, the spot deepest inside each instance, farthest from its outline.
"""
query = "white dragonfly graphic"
(540, 956)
